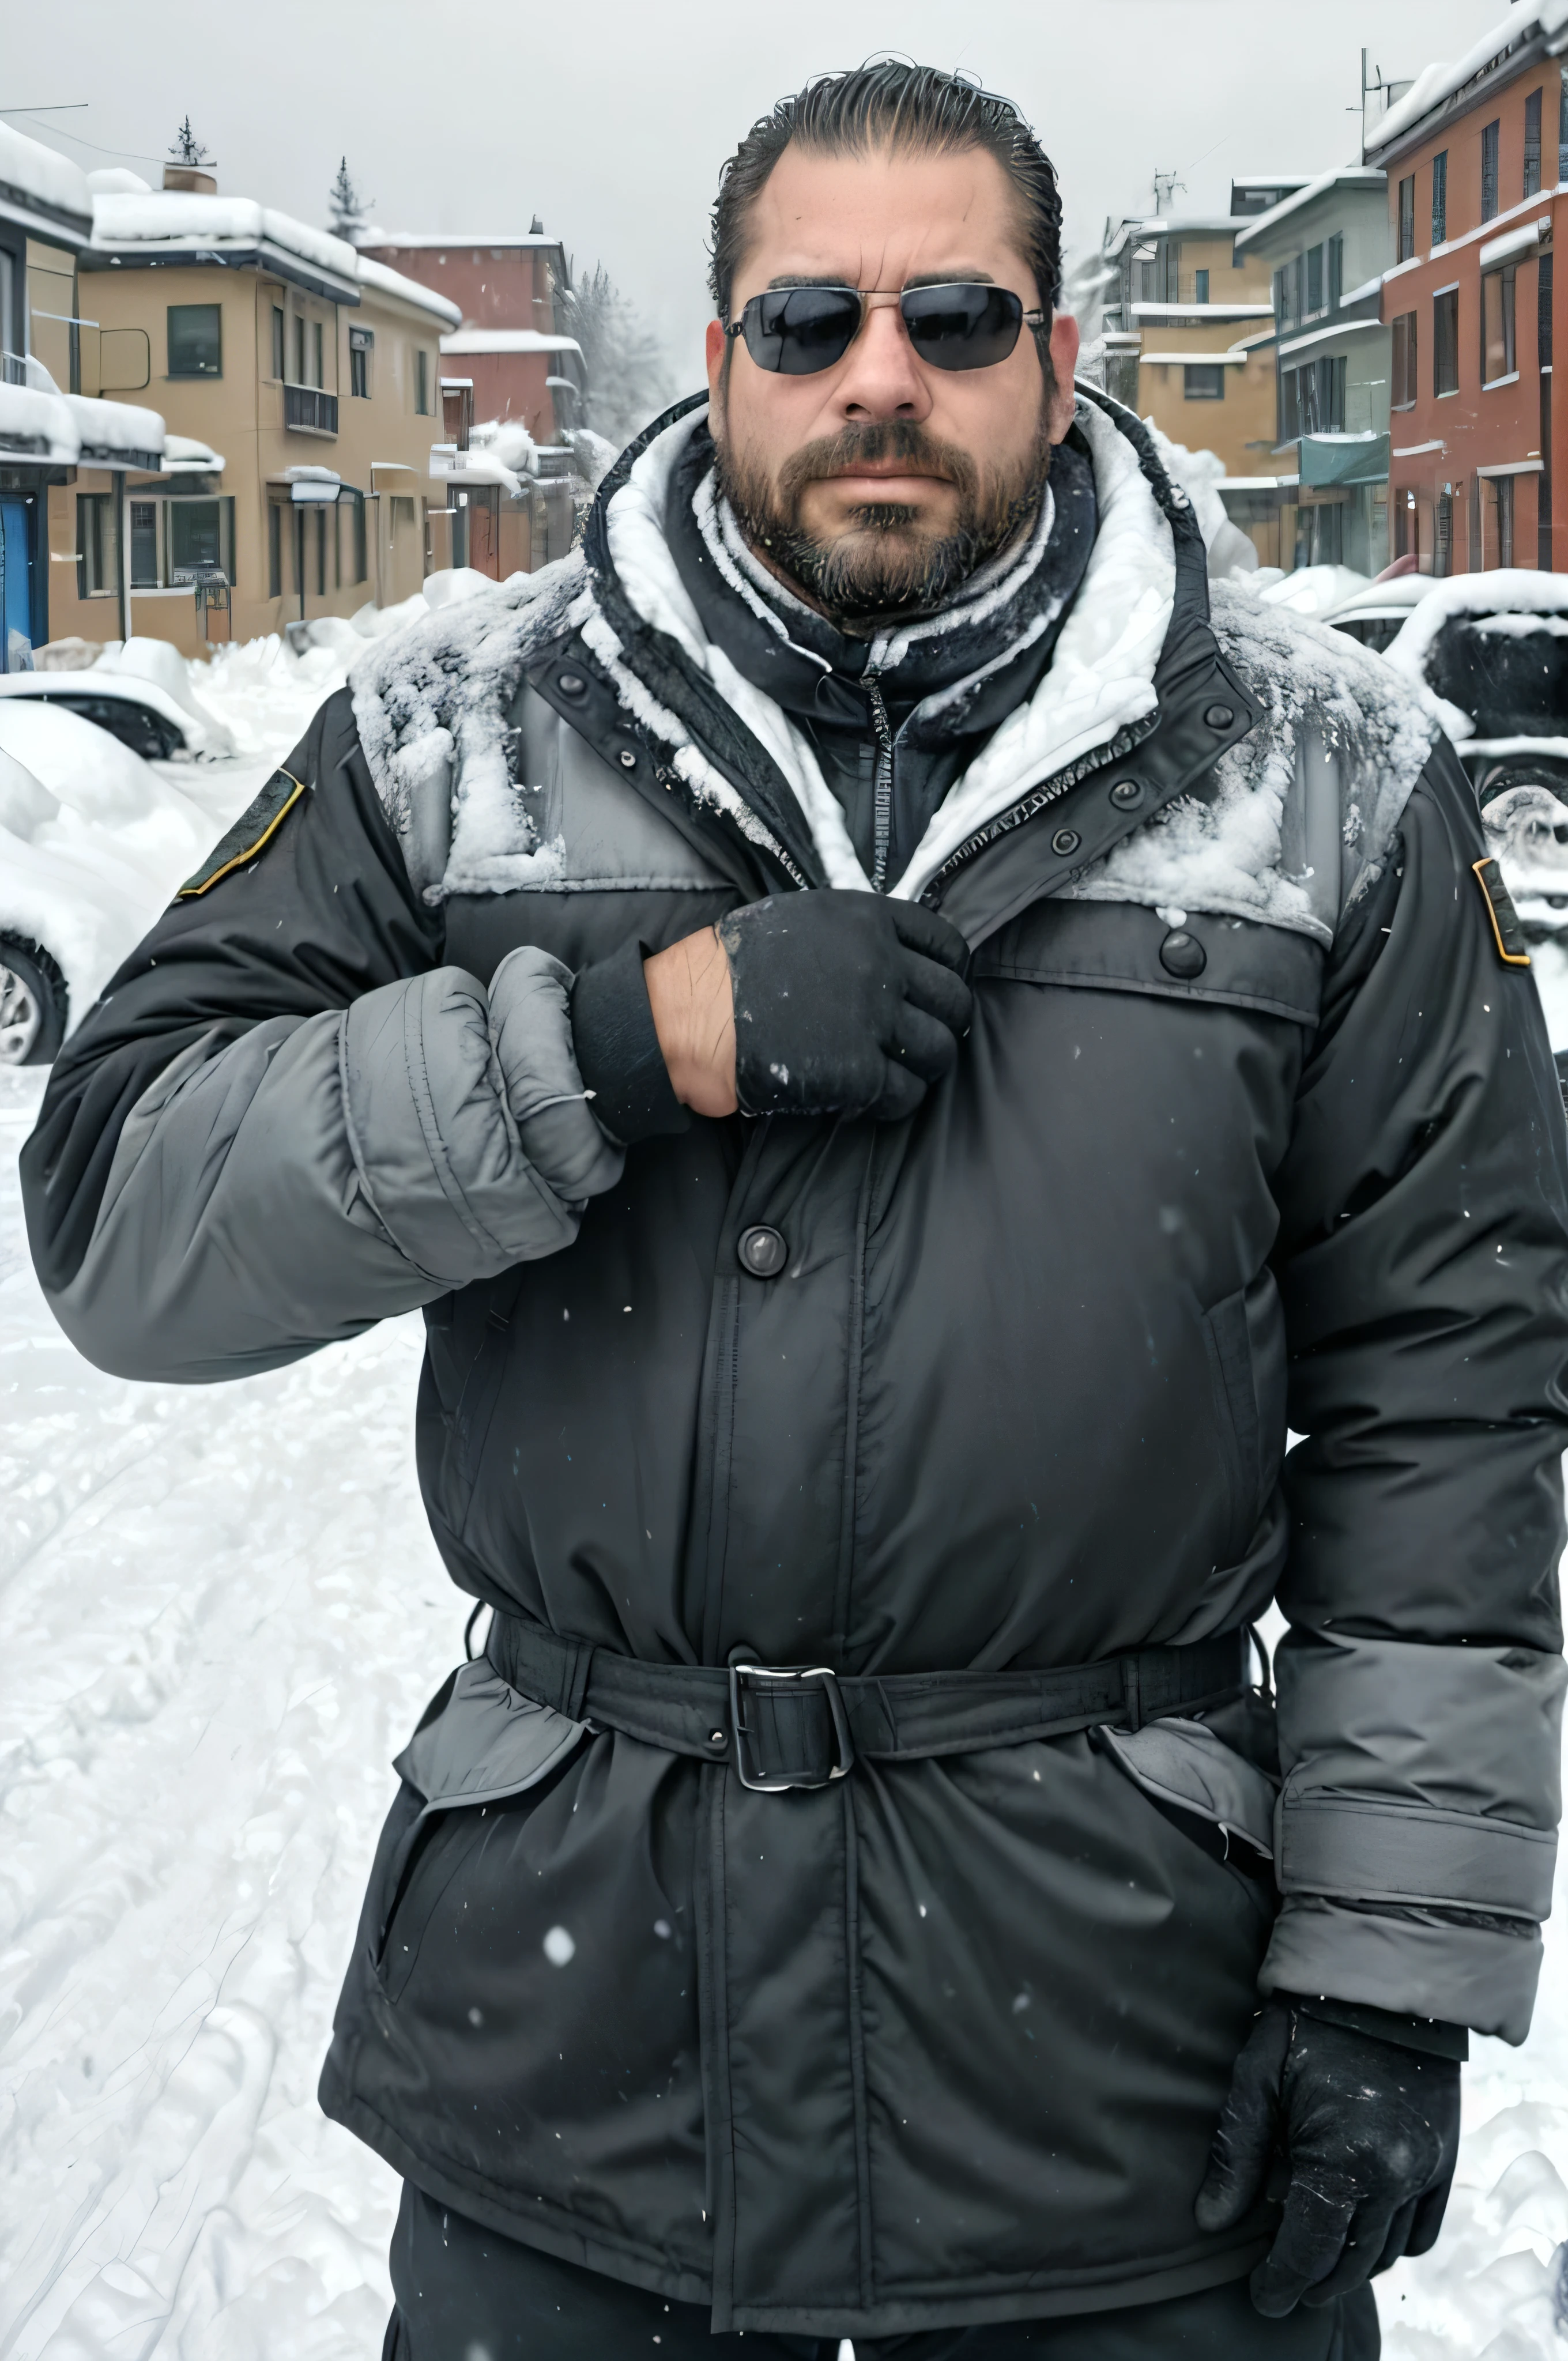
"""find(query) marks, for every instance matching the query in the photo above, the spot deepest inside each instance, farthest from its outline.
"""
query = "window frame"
(1405, 234)
(1313, 260)
(421, 382)
(97, 551)
(1201, 286)
(1192, 370)
(1531, 145)
(361, 357)
(198, 375)
(1405, 362)
(279, 343)
(1499, 287)
(1445, 342)
(1440, 198)
(1491, 167)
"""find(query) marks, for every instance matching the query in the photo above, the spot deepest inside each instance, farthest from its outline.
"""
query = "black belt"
(804, 1725)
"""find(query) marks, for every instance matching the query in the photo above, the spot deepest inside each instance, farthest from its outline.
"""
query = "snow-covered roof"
(1202, 310)
(177, 220)
(64, 429)
(508, 340)
(182, 454)
(375, 274)
(1505, 590)
(34, 175)
(1526, 21)
(453, 238)
(1362, 176)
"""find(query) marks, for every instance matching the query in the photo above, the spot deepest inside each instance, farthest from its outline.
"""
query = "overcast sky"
(611, 121)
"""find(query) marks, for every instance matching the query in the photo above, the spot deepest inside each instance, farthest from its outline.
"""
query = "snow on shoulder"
(1323, 700)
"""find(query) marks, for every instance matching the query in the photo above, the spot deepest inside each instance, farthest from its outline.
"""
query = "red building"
(510, 347)
(1477, 156)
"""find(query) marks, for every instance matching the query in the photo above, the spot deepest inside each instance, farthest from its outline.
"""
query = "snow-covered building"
(300, 383)
(1326, 500)
(1187, 317)
(46, 218)
(1476, 159)
(510, 347)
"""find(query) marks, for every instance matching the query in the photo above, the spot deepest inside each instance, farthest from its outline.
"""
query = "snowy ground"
(223, 1613)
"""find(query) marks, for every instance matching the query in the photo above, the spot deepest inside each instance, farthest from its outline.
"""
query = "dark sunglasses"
(795, 331)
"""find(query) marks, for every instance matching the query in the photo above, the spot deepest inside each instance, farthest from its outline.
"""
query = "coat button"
(762, 1251)
(1219, 717)
(628, 758)
(570, 684)
(1127, 793)
(1182, 954)
(1065, 843)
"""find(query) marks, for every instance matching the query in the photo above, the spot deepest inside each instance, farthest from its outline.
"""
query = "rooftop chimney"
(190, 176)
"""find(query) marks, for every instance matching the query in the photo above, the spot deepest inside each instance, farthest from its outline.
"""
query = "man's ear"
(1064, 361)
(717, 347)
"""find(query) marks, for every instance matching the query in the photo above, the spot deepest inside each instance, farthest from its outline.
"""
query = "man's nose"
(882, 378)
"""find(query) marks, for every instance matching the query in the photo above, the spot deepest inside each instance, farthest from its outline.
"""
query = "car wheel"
(33, 1004)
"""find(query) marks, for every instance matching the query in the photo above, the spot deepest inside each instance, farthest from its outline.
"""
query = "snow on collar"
(1100, 679)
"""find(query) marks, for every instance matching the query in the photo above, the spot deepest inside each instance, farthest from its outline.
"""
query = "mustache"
(876, 442)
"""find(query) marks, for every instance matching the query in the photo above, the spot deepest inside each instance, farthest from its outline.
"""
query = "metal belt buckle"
(740, 1675)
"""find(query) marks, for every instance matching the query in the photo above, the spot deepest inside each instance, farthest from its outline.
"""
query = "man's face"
(879, 484)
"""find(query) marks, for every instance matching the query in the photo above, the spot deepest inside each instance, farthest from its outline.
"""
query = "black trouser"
(466, 2294)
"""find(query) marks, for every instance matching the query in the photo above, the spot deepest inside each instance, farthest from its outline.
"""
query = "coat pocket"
(478, 1742)
(1243, 1338)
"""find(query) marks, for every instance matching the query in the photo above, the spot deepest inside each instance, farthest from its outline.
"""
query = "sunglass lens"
(798, 330)
(962, 327)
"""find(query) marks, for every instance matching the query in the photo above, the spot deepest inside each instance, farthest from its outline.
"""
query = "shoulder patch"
(250, 834)
(1507, 931)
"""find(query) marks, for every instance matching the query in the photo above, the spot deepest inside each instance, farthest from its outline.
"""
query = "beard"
(887, 563)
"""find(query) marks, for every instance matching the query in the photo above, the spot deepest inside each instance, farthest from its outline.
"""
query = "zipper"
(882, 793)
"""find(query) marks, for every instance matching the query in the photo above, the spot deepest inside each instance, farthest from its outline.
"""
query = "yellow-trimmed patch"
(1507, 931)
(250, 834)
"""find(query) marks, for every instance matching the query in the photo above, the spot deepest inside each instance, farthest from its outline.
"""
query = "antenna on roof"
(187, 149)
(536, 227)
(1164, 187)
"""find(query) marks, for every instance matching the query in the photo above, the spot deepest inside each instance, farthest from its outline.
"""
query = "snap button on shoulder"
(1219, 717)
(570, 684)
(762, 1250)
(1066, 842)
(1182, 955)
(1127, 793)
(628, 758)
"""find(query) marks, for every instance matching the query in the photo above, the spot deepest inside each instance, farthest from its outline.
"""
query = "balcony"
(309, 411)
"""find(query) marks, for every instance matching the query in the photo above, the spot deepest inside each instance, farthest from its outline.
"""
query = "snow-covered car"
(93, 843)
(1379, 612)
(1493, 649)
(139, 693)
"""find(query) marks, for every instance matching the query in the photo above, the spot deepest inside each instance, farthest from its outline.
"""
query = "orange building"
(1476, 155)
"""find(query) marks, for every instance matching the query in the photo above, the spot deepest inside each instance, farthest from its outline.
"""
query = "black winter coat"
(1256, 1130)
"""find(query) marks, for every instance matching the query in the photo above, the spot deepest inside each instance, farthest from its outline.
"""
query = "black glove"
(1356, 2136)
(845, 1003)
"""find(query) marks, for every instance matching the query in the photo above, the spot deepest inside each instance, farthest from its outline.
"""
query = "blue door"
(16, 588)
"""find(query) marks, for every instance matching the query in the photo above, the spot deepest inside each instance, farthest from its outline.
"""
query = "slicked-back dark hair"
(891, 103)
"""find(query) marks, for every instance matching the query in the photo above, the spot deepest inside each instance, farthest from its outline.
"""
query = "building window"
(1503, 492)
(196, 537)
(97, 553)
(1442, 535)
(1489, 136)
(1336, 271)
(1407, 232)
(361, 344)
(1445, 342)
(1562, 133)
(421, 383)
(321, 552)
(319, 377)
(1289, 406)
(300, 376)
(1404, 361)
(1543, 317)
(1498, 342)
(274, 549)
(1204, 381)
(144, 544)
(1532, 143)
(1201, 287)
(1440, 198)
(361, 549)
(195, 340)
(279, 347)
(1314, 280)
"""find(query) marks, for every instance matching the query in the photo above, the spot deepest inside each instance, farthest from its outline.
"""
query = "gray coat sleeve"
(287, 1118)
(1424, 1265)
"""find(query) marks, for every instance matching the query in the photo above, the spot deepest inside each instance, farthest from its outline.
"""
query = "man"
(897, 1053)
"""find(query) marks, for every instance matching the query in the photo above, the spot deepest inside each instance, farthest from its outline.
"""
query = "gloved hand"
(845, 1002)
(1358, 2137)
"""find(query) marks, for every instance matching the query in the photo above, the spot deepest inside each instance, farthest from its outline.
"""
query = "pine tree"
(187, 149)
(345, 206)
(625, 362)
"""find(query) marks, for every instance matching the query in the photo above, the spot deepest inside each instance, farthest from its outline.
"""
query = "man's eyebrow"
(922, 278)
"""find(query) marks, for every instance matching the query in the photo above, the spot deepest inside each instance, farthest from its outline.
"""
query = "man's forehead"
(894, 215)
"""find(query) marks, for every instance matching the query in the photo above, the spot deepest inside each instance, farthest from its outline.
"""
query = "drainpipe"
(300, 557)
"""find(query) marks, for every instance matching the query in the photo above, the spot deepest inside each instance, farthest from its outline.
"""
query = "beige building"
(301, 385)
(1189, 326)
